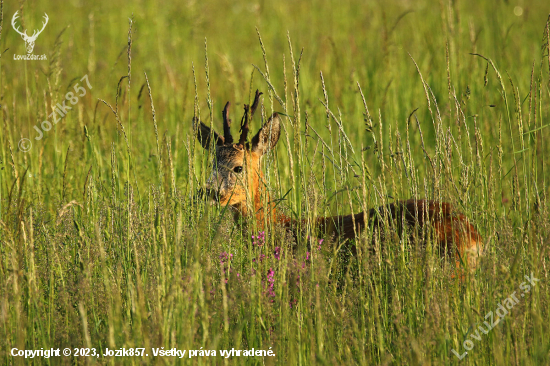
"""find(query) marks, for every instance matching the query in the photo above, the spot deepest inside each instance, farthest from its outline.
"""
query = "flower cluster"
(297, 269)
(271, 283)
(277, 253)
(225, 257)
(260, 258)
(259, 240)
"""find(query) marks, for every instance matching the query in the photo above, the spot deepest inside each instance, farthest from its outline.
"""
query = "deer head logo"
(29, 40)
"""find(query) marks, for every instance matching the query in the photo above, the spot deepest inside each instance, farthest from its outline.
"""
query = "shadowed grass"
(105, 244)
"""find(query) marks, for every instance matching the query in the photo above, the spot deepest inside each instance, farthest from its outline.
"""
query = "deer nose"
(207, 193)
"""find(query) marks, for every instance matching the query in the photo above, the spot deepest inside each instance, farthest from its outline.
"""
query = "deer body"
(237, 181)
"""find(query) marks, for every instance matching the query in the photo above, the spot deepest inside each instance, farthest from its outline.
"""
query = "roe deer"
(237, 181)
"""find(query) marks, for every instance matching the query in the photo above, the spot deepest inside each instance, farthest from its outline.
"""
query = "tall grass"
(104, 243)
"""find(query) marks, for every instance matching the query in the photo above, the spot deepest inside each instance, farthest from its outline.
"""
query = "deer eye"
(238, 169)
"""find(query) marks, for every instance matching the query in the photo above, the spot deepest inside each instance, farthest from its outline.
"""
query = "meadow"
(105, 242)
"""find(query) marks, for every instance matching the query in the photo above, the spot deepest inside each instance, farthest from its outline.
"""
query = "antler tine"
(244, 126)
(227, 124)
(36, 33)
(15, 16)
(255, 104)
(46, 18)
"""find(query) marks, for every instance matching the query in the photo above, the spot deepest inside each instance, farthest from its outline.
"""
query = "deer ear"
(204, 134)
(267, 136)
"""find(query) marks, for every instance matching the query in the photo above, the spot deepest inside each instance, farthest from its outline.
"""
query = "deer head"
(29, 41)
(236, 174)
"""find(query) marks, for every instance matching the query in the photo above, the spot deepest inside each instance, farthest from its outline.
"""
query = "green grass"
(104, 245)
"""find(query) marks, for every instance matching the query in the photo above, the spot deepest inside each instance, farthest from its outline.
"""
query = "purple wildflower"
(277, 253)
(260, 258)
(271, 283)
(224, 257)
(260, 239)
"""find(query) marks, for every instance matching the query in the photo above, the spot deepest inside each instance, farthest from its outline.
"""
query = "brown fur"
(245, 193)
(453, 233)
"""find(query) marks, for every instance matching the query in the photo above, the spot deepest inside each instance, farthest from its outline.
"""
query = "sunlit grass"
(105, 244)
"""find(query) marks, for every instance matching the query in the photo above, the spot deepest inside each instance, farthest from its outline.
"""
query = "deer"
(29, 40)
(237, 181)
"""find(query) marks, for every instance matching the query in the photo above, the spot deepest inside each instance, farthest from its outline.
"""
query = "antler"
(256, 102)
(15, 16)
(34, 34)
(244, 126)
(227, 125)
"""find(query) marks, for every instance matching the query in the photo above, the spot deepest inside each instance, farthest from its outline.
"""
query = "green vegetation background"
(103, 243)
